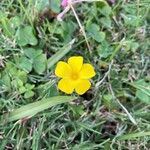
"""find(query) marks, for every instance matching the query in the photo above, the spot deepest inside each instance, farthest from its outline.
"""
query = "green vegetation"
(113, 115)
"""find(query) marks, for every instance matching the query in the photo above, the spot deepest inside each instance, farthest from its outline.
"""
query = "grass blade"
(133, 135)
(62, 52)
(36, 107)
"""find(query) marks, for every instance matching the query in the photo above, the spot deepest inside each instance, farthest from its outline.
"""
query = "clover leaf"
(25, 36)
(33, 59)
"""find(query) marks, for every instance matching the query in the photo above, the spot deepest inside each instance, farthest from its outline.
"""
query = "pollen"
(75, 76)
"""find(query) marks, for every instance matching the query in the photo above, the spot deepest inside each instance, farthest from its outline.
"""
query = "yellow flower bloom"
(75, 75)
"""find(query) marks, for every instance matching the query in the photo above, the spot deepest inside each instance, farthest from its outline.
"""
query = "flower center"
(74, 76)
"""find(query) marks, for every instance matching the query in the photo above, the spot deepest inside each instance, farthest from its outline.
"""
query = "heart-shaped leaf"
(25, 36)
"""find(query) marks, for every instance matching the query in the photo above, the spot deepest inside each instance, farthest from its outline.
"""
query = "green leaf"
(22, 90)
(108, 100)
(142, 96)
(130, 45)
(6, 81)
(77, 110)
(39, 63)
(25, 36)
(19, 82)
(62, 52)
(6, 25)
(55, 6)
(104, 49)
(143, 86)
(32, 53)
(15, 22)
(22, 75)
(106, 21)
(28, 94)
(131, 20)
(105, 10)
(67, 30)
(134, 46)
(29, 86)
(93, 30)
(100, 36)
(3, 15)
(36, 107)
(142, 90)
(40, 5)
(25, 64)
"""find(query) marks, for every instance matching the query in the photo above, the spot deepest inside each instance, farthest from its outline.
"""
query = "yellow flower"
(75, 75)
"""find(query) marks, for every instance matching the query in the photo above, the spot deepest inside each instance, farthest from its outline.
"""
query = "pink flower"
(67, 7)
(64, 3)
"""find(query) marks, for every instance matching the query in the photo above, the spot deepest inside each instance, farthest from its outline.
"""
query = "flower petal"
(64, 3)
(65, 86)
(83, 86)
(75, 63)
(87, 71)
(62, 70)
